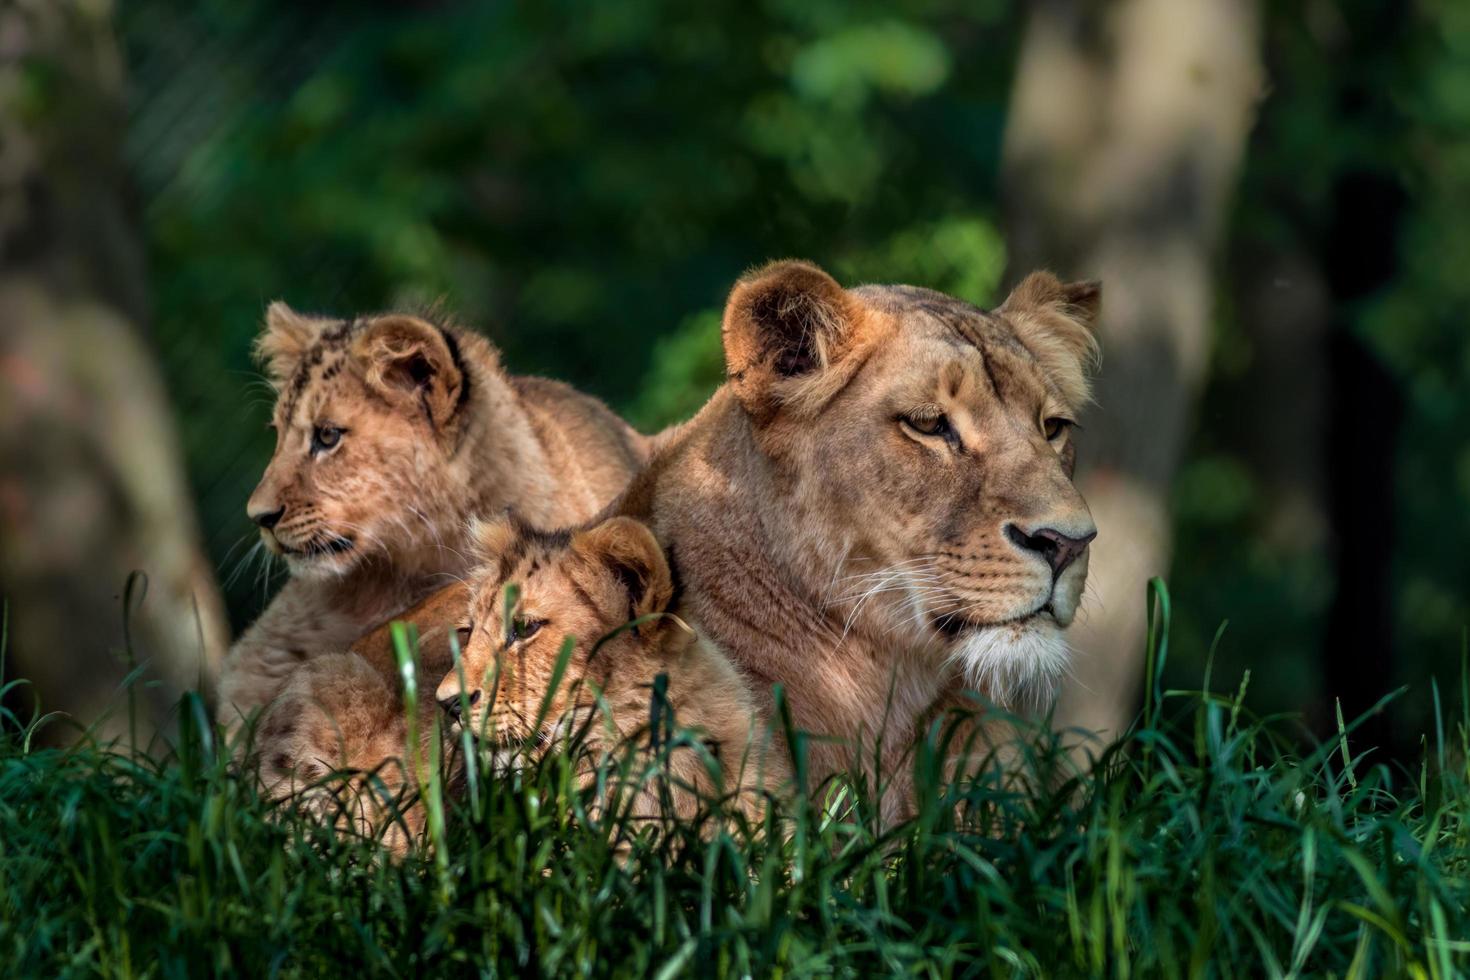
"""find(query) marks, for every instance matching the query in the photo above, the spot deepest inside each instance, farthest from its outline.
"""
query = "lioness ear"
(284, 341)
(414, 362)
(1057, 321)
(785, 325)
(628, 549)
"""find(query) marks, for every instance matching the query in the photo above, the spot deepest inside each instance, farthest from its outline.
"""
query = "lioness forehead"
(995, 353)
(965, 322)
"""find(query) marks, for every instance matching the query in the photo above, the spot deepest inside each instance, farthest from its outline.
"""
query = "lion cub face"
(931, 444)
(364, 421)
(580, 586)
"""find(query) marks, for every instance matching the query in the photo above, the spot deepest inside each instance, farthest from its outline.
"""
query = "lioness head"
(581, 585)
(365, 420)
(932, 441)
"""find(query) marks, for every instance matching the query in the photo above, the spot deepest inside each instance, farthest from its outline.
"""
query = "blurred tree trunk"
(91, 486)
(1127, 125)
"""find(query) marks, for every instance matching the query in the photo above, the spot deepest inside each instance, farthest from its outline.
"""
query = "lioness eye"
(324, 437)
(928, 425)
(464, 633)
(1056, 427)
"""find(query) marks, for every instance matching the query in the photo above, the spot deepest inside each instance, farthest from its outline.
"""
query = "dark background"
(584, 181)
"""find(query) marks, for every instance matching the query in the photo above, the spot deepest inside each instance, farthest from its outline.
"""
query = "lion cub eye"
(325, 437)
(524, 629)
(928, 425)
(1056, 427)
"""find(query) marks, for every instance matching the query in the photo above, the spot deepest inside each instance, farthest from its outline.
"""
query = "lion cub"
(391, 432)
(603, 588)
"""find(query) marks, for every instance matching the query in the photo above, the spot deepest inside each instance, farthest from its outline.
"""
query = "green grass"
(1206, 844)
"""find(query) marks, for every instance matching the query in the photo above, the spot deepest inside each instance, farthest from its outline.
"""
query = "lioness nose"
(454, 704)
(268, 518)
(1059, 549)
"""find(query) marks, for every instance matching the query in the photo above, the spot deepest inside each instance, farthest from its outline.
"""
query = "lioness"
(392, 431)
(585, 585)
(877, 509)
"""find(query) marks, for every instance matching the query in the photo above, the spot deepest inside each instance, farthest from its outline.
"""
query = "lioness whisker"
(895, 587)
(889, 580)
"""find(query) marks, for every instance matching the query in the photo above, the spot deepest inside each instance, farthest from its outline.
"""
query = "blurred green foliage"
(584, 181)
(1419, 326)
(1363, 95)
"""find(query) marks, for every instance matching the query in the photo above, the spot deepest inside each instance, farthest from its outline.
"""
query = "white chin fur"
(1019, 667)
(324, 566)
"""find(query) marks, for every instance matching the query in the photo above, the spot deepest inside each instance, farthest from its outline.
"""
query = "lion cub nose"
(1058, 549)
(454, 704)
(268, 519)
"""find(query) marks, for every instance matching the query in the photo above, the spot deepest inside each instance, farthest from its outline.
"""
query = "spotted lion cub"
(603, 588)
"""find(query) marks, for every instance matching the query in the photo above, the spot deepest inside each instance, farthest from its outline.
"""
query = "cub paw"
(332, 742)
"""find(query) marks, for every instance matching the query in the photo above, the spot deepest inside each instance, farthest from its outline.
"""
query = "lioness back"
(582, 436)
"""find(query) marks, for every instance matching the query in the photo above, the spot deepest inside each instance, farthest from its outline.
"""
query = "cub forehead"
(534, 565)
(327, 376)
(486, 603)
(556, 581)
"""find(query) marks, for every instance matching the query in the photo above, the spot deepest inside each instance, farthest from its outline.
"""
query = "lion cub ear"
(1057, 322)
(628, 549)
(285, 339)
(786, 329)
(415, 364)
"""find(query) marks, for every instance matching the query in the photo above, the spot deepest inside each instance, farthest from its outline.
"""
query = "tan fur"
(584, 585)
(433, 432)
(825, 544)
(333, 744)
